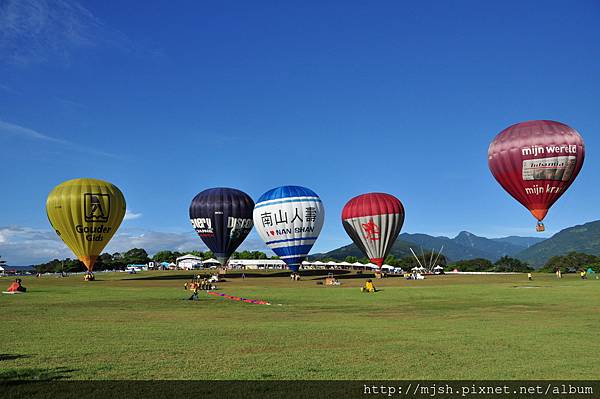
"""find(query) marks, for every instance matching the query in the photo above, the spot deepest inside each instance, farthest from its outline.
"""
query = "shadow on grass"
(250, 274)
(166, 277)
(8, 356)
(35, 374)
(355, 276)
(286, 273)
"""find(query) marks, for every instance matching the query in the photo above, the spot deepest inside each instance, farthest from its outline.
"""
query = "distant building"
(255, 264)
(211, 263)
(159, 265)
(265, 264)
(136, 268)
(189, 262)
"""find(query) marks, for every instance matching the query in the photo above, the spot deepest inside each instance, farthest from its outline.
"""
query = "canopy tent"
(188, 262)
(424, 263)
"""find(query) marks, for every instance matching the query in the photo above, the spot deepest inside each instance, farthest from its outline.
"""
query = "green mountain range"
(533, 250)
(464, 246)
(583, 238)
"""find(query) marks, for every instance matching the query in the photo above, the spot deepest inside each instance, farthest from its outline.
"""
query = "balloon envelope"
(289, 220)
(86, 213)
(222, 217)
(373, 221)
(536, 162)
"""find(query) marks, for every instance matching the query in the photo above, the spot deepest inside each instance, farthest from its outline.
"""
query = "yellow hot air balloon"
(86, 213)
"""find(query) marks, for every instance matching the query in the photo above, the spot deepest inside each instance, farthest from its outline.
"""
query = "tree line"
(571, 262)
(135, 256)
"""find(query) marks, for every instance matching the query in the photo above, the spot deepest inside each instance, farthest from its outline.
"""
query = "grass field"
(446, 327)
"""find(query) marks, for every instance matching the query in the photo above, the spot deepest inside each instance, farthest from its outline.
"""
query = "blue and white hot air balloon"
(289, 220)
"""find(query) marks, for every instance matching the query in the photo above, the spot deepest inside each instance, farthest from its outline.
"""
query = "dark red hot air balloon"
(536, 162)
(373, 221)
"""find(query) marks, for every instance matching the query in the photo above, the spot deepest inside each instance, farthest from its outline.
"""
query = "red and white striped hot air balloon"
(373, 221)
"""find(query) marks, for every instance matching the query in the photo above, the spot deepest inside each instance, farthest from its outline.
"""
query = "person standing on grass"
(369, 286)
(529, 276)
(194, 296)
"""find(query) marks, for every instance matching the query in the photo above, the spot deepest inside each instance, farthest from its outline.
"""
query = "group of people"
(582, 273)
(295, 276)
(558, 273)
(198, 285)
(89, 277)
(414, 276)
(16, 286)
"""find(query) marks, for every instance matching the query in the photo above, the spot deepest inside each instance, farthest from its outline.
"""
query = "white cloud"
(21, 131)
(7, 89)
(24, 245)
(11, 129)
(35, 31)
(129, 215)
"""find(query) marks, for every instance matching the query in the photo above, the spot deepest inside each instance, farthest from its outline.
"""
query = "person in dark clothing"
(194, 296)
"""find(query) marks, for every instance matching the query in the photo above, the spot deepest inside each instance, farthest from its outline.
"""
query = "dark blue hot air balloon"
(222, 217)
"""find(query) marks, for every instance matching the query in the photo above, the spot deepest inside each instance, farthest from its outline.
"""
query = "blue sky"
(169, 98)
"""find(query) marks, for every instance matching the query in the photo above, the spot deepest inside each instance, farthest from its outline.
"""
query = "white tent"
(426, 264)
(188, 262)
(212, 262)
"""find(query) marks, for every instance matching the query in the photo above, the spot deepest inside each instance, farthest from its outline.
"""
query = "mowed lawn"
(446, 327)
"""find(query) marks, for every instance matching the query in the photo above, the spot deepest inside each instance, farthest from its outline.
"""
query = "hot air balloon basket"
(540, 227)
